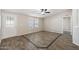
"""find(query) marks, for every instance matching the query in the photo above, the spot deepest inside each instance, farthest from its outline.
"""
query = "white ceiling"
(35, 12)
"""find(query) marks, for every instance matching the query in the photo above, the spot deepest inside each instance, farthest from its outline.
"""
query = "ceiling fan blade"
(47, 12)
(45, 9)
(42, 10)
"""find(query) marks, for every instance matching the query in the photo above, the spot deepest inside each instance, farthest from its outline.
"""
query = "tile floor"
(39, 41)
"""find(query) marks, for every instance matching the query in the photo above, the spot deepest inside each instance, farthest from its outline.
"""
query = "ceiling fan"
(44, 11)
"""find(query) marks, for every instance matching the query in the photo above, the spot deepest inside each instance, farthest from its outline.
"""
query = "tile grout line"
(43, 47)
(53, 41)
(34, 44)
(31, 42)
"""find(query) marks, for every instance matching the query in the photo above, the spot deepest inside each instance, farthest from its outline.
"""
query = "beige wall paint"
(22, 24)
(54, 23)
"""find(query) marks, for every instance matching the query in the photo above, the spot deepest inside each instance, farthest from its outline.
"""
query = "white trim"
(70, 24)
(0, 40)
(75, 43)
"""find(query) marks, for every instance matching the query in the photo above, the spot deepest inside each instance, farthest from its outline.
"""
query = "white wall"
(22, 27)
(76, 26)
(54, 23)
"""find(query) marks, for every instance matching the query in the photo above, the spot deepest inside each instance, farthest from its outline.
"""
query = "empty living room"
(39, 29)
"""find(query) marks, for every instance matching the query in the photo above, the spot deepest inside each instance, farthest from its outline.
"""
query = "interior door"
(8, 25)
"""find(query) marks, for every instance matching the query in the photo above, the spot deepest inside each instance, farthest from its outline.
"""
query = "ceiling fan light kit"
(44, 11)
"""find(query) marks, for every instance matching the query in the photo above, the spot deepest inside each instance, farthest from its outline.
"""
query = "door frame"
(63, 24)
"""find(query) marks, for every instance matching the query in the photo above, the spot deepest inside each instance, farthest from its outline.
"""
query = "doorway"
(67, 25)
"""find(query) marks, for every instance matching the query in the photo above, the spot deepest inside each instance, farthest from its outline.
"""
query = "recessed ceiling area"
(35, 12)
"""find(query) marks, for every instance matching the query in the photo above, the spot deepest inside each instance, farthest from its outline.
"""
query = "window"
(36, 23)
(9, 21)
(31, 23)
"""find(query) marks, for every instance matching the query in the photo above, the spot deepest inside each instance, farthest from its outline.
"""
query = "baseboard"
(18, 35)
(75, 43)
(54, 32)
(27, 34)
